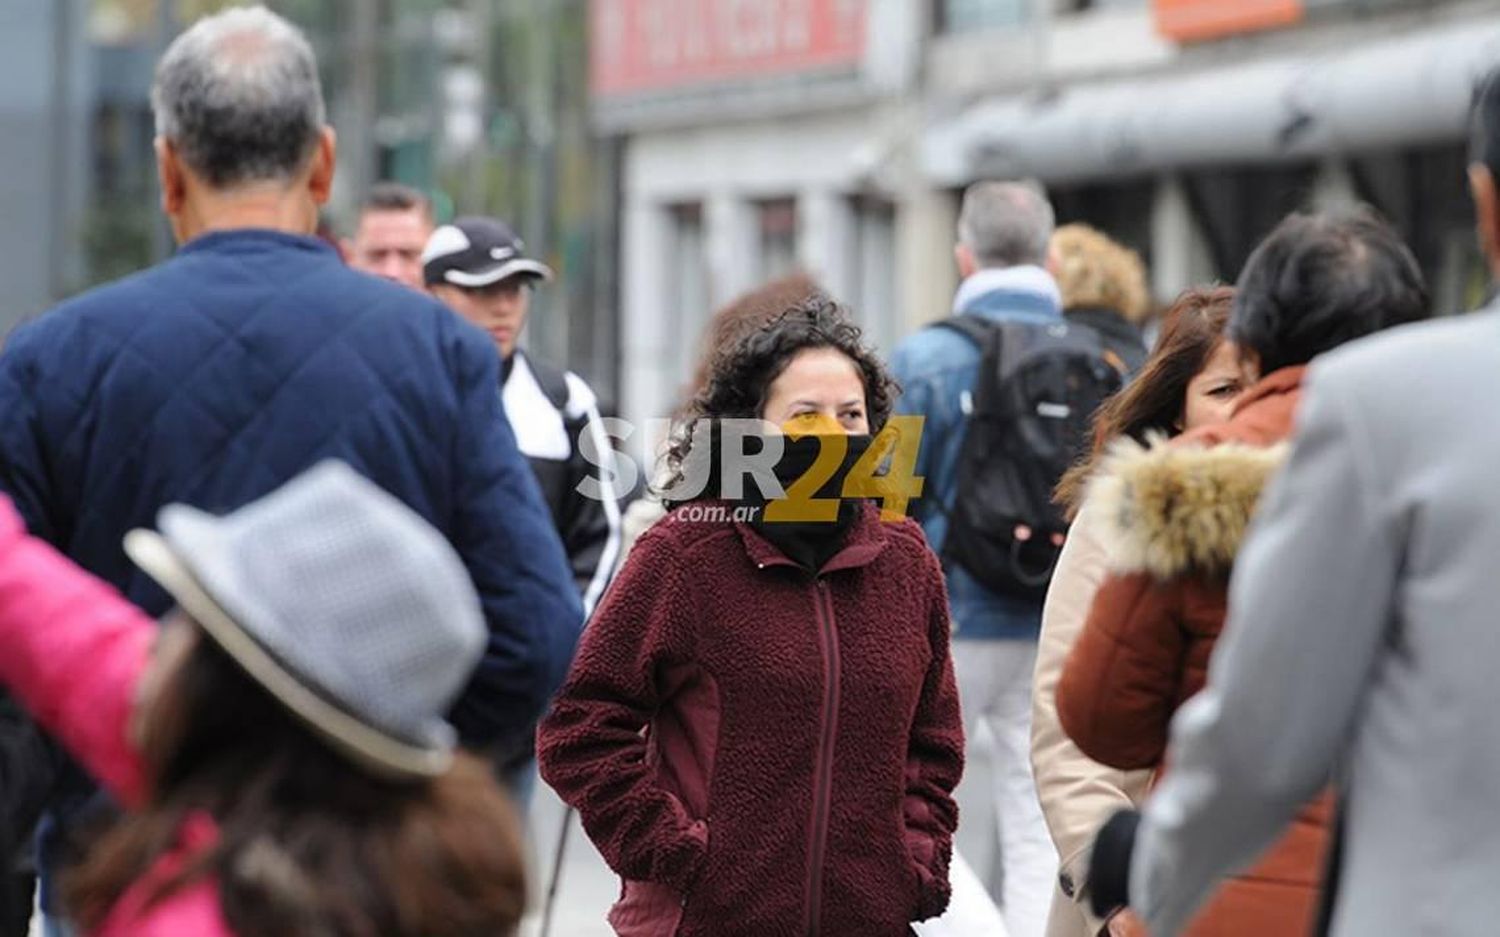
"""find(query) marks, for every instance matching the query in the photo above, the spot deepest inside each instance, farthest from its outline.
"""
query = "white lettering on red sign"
(641, 45)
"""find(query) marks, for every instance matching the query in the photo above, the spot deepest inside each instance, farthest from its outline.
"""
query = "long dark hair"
(741, 374)
(308, 843)
(1192, 328)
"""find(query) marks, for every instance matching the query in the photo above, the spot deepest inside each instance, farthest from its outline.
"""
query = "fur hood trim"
(1169, 510)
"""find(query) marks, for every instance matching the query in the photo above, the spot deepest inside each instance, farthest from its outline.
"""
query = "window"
(1422, 192)
(873, 270)
(1237, 206)
(687, 286)
(1081, 6)
(778, 238)
(1121, 208)
(956, 16)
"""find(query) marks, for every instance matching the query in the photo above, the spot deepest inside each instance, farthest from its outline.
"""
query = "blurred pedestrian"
(279, 739)
(792, 678)
(1175, 515)
(1361, 644)
(1103, 286)
(254, 353)
(394, 224)
(725, 328)
(1192, 379)
(1004, 231)
(479, 268)
(29, 762)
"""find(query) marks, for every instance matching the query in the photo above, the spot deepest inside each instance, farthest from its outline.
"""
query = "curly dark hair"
(741, 374)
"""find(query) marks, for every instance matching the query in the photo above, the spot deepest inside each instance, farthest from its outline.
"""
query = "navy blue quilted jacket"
(218, 375)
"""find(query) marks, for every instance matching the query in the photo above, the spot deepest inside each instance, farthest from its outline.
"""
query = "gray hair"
(1006, 224)
(238, 96)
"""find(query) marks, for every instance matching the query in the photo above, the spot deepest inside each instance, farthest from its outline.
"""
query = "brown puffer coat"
(1177, 514)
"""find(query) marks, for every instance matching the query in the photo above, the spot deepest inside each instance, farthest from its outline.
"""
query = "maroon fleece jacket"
(801, 741)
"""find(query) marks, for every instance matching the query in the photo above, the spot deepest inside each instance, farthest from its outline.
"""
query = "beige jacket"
(1077, 794)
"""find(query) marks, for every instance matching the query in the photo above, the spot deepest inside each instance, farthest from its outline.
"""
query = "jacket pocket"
(929, 894)
(646, 909)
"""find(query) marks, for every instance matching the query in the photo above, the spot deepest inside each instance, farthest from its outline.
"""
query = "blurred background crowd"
(665, 155)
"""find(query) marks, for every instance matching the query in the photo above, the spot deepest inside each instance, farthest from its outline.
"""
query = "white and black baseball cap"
(475, 252)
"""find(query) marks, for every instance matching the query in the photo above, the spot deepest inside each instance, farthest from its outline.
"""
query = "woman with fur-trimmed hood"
(1176, 513)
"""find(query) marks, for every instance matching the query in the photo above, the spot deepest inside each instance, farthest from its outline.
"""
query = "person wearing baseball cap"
(479, 268)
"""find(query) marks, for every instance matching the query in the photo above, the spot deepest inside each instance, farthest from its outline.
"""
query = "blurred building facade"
(837, 136)
(45, 90)
(665, 155)
(79, 171)
(481, 103)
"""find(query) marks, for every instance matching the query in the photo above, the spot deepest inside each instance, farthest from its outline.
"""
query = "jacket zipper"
(823, 791)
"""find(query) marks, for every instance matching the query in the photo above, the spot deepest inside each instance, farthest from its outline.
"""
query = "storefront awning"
(1394, 92)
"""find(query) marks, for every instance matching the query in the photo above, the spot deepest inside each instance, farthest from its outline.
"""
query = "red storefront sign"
(1197, 20)
(652, 45)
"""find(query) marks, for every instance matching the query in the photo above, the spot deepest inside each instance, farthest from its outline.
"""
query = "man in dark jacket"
(254, 353)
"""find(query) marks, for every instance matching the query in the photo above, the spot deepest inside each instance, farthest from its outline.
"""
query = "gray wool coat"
(1363, 647)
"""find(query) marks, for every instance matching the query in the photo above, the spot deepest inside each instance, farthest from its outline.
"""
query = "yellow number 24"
(895, 489)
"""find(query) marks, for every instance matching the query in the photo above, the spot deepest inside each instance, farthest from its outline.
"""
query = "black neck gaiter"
(809, 543)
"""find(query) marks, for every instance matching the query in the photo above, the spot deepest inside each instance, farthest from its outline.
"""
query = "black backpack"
(1028, 418)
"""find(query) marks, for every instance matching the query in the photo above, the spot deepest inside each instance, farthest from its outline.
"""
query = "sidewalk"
(588, 886)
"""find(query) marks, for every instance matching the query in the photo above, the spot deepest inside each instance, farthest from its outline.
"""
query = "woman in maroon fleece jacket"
(761, 731)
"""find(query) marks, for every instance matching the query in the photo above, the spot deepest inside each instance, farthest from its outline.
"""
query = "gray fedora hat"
(345, 605)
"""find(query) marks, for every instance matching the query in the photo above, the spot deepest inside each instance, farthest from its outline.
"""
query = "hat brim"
(519, 267)
(362, 743)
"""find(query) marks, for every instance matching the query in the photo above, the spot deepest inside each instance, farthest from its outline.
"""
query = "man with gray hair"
(1003, 233)
(254, 353)
(1003, 225)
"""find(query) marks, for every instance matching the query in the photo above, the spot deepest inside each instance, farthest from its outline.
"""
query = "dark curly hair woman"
(772, 375)
(761, 731)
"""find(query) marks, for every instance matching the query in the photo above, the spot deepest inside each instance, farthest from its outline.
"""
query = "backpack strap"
(981, 332)
(552, 381)
(976, 329)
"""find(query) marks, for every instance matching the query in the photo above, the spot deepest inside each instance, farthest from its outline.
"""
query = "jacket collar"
(866, 541)
(1030, 281)
(1277, 383)
(1184, 505)
(508, 366)
(1105, 322)
(238, 239)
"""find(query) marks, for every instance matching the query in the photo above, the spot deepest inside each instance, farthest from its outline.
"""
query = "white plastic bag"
(970, 912)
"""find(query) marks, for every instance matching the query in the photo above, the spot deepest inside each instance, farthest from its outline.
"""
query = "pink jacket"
(72, 651)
